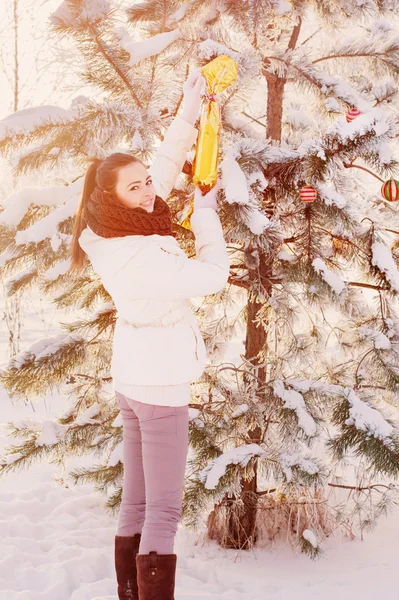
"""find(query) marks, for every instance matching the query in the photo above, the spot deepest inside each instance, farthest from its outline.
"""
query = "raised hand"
(209, 199)
(193, 90)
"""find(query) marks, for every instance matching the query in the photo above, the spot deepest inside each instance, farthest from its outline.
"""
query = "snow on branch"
(17, 204)
(26, 274)
(375, 121)
(362, 416)
(310, 537)
(146, 48)
(60, 268)
(5, 256)
(293, 400)
(305, 385)
(282, 7)
(103, 308)
(179, 14)
(380, 340)
(248, 60)
(382, 258)
(366, 418)
(51, 433)
(289, 461)
(212, 473)
(378, 48)
(301, 68)
(43, 348)
(234, 181)
(330, 196)
(87, 418)
(46, 433)
(100, 127)
(236, 190)
(80, 15)
(45, 227)
(331, 278)
(28, 119)
(384, 89)
(116, 455)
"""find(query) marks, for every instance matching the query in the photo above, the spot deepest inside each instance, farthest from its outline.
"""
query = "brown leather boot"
(156, 576)
(126, 548)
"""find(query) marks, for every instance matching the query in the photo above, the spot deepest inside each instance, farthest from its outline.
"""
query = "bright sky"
(33, 54)
(41, 78)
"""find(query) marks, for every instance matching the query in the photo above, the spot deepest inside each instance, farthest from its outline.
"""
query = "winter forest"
(291, 488)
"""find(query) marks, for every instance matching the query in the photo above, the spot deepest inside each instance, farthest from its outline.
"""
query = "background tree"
(297, 435)
(26, 69)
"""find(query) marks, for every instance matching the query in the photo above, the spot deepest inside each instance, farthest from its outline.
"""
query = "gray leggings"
(155, 446)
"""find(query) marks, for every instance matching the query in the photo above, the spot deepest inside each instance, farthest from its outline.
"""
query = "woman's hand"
(193, 90)
(209, 200)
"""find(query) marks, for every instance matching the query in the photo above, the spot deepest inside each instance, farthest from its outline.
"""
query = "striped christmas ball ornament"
(390, 190)
(352, 114)
(308, 194)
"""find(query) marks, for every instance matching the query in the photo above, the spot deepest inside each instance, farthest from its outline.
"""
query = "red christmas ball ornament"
(352, 114)
(390, 190)
(308, 194)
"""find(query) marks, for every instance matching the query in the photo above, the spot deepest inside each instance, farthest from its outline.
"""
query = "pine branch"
(118, 71)
(350, 165)
(367, 285)
(311, 76)
(361, 488)
(361, 51)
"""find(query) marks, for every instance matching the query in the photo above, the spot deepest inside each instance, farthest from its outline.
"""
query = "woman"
(124, 226)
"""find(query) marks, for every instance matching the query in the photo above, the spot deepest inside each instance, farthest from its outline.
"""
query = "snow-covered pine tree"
(298, 436)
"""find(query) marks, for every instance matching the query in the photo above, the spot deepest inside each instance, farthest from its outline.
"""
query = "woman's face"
(134, 187)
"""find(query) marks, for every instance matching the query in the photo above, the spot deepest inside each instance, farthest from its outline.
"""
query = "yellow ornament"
(219, 74)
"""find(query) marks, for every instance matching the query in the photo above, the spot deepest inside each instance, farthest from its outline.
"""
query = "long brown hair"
(102, 174)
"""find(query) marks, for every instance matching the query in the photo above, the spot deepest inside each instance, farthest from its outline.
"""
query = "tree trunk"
(240, 526)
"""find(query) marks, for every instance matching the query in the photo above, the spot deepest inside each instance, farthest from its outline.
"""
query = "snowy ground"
(57, 541)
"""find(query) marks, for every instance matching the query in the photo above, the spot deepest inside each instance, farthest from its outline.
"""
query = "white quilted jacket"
(157, 340)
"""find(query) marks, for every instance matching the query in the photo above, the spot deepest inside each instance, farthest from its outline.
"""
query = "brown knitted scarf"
(108, 217)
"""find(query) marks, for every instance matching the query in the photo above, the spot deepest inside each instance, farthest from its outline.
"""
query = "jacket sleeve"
(171, 155)
(168, 276)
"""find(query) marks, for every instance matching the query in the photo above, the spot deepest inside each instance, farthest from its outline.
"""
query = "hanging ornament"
(308, 194)
(390, 190)
(352, 114)
(219, 74)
